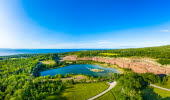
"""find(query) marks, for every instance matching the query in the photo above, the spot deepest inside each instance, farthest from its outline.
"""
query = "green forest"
(20, 79)
(161, 53)
(18, 83)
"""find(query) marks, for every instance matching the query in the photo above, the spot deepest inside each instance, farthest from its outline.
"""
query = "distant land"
(8, 52)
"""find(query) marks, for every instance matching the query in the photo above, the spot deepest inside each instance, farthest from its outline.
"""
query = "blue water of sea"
(7, 52)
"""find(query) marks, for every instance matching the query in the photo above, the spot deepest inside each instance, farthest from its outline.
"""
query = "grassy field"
(108, 96)
(152, 93)
(49, 62)
(75, 78)
(162, 93)
(165, 86)
(109, 54)
(14, 58)
(84, 91)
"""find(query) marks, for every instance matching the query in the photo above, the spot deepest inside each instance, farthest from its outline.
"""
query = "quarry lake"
(85, 69)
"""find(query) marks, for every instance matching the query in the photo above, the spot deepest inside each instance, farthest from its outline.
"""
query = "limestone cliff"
(136, 66)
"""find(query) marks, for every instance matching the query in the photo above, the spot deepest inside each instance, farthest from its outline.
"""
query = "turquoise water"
(80, 69)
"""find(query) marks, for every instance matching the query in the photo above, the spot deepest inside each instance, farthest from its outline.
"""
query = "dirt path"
(112, 85)
(160, 87)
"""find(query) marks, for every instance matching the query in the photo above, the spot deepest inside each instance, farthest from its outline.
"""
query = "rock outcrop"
(136, 66)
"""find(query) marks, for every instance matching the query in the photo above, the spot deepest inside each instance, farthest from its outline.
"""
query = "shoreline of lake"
(80, 69)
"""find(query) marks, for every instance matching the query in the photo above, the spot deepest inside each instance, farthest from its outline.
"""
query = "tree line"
(162, 53)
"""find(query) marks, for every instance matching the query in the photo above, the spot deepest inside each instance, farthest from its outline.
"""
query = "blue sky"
(84, 23)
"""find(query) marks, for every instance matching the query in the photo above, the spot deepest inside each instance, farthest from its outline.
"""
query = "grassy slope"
(108, 96)
(84, 91)
(167, 85)
(151, 93)
(161, 92)
(49, 62)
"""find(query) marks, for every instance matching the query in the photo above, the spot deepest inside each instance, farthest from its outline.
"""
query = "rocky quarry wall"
(138, 67)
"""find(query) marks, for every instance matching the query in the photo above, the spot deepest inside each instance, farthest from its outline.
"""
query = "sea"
(8, 52)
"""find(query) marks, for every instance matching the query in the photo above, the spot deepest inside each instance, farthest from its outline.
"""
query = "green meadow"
(108, 96)
(84, 91)
(109, 54)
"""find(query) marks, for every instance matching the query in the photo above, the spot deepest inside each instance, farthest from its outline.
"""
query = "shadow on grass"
(59, 96)
(70, 89)
(149, 94)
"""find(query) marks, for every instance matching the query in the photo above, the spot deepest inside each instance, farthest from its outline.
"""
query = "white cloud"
(104, 42)
(165, 30)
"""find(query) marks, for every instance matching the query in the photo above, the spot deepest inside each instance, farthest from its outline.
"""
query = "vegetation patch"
(49, 62)
(13, 58)
(107, 96)
(161, 92)
(75, 78)
(165, 85)
(109, 54)
(163, 61)
(151, 93)
(84, 91)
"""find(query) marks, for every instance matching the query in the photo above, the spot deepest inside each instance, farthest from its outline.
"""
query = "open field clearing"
(49, 62)
(84, 91)
(109, 54)
(108, 96)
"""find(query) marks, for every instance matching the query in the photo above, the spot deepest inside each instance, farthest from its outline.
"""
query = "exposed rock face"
(138, 67)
